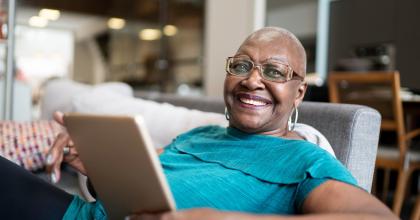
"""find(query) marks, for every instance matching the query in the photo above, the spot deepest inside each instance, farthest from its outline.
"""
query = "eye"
(274, 73)
(240, 66)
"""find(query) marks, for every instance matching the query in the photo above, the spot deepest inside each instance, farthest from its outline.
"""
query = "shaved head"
(255, 102)
(285, 38)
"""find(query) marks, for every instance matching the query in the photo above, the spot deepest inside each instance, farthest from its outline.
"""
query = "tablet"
(121, 162)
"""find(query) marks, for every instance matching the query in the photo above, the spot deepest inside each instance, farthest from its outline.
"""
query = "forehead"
(267, 36)
(270, 46)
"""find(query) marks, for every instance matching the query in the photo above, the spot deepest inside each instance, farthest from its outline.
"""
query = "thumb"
(58, 117)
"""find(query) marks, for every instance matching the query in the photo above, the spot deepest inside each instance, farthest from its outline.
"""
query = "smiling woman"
(260, 100)
(256, 168)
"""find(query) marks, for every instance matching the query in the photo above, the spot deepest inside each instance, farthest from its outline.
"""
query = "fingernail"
(49, 159)
(53, 178)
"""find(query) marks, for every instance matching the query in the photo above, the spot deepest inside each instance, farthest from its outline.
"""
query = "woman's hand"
(193, 214)
(202, 214)
(57, 153)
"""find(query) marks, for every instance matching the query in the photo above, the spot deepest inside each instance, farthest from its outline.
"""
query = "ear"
(300, 93)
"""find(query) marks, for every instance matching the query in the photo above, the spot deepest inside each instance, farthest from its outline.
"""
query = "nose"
(254, 80)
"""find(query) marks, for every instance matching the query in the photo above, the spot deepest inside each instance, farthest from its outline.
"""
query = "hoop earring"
(227, 116)
(291, 125)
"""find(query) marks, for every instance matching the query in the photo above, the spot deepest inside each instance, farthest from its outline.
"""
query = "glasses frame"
(291, 74)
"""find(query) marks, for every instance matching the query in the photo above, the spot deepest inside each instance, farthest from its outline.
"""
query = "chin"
(248, 126)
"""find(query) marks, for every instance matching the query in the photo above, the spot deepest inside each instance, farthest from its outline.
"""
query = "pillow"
(165, 121)
(27, 143)
(312, 135)
(57, 94)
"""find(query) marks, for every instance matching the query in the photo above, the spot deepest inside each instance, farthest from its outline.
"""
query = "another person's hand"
(62, 150)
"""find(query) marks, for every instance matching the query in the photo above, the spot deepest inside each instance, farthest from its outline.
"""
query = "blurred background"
(179, 46)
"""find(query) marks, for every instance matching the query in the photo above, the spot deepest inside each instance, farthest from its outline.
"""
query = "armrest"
(352, 130)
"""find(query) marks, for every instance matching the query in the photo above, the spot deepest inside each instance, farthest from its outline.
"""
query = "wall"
(299, 17)
(227, 24)
(89, 63)
(360, 22)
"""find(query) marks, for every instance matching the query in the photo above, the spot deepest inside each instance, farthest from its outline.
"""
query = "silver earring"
(291, 125)
(227, 114)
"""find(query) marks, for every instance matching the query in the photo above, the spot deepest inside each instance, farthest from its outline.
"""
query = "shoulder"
(310, 161)
(209, 131)
(312, 135)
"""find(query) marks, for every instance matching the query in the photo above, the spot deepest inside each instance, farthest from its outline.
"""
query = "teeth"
(252, 102)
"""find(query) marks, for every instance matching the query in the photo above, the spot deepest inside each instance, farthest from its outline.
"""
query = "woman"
(257, 167)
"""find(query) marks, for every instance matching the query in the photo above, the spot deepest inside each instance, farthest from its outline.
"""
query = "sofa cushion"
(164, 121)
(57, 94)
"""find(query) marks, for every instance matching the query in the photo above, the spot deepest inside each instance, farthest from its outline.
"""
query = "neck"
(279, 132)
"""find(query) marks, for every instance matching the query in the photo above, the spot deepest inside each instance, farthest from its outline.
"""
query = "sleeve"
(82, 210)
(304, 188)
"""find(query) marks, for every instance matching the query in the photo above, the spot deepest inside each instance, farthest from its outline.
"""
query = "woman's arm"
(335, 199)
(331, 200)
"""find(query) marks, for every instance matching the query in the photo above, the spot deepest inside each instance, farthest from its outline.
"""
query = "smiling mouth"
(253, 100)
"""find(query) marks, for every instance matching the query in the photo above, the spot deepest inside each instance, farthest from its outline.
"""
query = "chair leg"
(400, 191)
(385, 186)
(415, 215)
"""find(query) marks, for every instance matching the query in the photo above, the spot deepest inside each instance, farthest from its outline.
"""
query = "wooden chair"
(381, 90)
(415, 215)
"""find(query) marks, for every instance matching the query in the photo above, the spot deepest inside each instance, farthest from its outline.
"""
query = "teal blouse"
(226, 169)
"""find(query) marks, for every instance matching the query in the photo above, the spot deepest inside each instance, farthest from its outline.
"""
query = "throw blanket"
(27, 143)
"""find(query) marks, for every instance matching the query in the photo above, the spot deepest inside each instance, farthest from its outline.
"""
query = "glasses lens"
(240, 66)
(276, 71)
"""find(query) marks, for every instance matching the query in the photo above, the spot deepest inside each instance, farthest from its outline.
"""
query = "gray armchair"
(352, 130)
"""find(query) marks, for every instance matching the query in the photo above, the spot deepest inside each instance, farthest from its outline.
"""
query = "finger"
(144, 217)
(56, 171)
(56, 149)
(58, 117)
(55, 156)
(58, 159)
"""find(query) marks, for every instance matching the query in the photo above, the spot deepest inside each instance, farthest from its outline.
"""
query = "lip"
(257, 98)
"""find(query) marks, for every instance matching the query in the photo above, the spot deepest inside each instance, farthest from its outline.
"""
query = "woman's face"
(256, 105)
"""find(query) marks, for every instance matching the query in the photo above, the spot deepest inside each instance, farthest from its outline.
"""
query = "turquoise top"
(226, 169)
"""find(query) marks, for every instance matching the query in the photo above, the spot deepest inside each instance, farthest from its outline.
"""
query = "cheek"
(228, 88)
(284, 97)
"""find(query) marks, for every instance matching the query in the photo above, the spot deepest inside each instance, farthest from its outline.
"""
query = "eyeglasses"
(274, 71)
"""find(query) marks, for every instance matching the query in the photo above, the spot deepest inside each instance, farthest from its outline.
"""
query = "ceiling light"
(116, 23)
(49, 14)
(170, 30)
(150, 34)
(36, 21)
